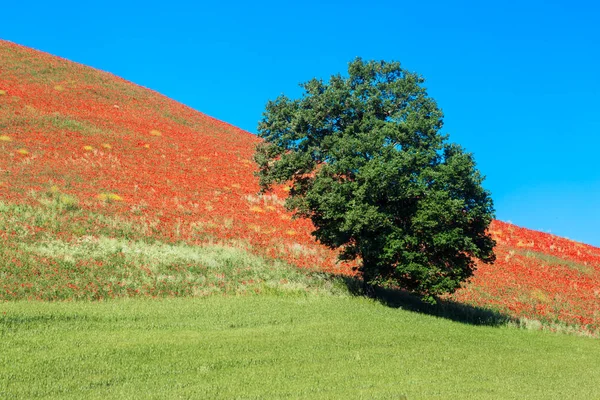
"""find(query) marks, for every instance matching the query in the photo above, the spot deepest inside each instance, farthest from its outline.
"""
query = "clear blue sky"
(519, 81)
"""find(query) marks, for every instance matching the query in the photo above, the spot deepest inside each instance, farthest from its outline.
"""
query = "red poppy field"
(102, 157)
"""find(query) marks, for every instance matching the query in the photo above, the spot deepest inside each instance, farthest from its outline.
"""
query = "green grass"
(297, 346)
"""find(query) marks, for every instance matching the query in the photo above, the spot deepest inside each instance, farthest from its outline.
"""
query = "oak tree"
(367, 163)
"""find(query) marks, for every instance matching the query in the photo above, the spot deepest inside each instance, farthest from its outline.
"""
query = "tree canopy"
(366, 162)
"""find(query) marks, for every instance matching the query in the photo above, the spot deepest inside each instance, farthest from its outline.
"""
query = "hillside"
(86, 158)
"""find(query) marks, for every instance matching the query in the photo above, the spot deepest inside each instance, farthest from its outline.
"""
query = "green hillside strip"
(551, 261)
(308, 346)
(44, 255)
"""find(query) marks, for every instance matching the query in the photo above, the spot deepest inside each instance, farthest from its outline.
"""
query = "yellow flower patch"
(155, 132)
(5, 138)
(2, 92)
(257, 209)
(22, 152)
(106, 146)
(59, 88)
(88, 148)
(109, 197)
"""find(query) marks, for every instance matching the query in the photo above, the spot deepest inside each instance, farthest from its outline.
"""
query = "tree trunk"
(367, 275)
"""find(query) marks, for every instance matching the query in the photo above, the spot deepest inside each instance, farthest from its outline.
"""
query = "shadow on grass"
(452, 310)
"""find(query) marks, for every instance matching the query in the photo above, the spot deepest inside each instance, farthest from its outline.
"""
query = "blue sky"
(518, 81)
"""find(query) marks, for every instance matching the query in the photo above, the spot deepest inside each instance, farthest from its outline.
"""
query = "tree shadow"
(449, 309)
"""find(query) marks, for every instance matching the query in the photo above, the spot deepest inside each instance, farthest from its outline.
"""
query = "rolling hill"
(93, 168)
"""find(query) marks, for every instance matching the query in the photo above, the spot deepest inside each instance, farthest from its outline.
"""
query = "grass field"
(292, 346)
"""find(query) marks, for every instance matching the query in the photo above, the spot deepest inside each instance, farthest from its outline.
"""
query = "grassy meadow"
(279, 346)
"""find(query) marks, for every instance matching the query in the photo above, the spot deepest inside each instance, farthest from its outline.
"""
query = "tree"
(367, 163)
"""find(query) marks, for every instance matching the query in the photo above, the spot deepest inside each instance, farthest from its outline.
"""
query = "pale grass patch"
(148, 254)
(59, 88)
(138, 209)
(267, 200)
(28, 159)
(273, 199)
(29, 109)
(520, 243)
(211, 263)
(148, 226)
(257, 209)
(228, 223)
(201, 226)
(147, 146)
(155, 132)
(540, 296)
(101, 160)
(255, 228)
(184, 210)
(236, 185)
(106, 146)
(252, 199)
(301, 250)
(2, 92)
(290, 232)
(178, 227)
(535, 325)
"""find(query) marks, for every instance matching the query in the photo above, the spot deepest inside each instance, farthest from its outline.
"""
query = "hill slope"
(86, 156)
